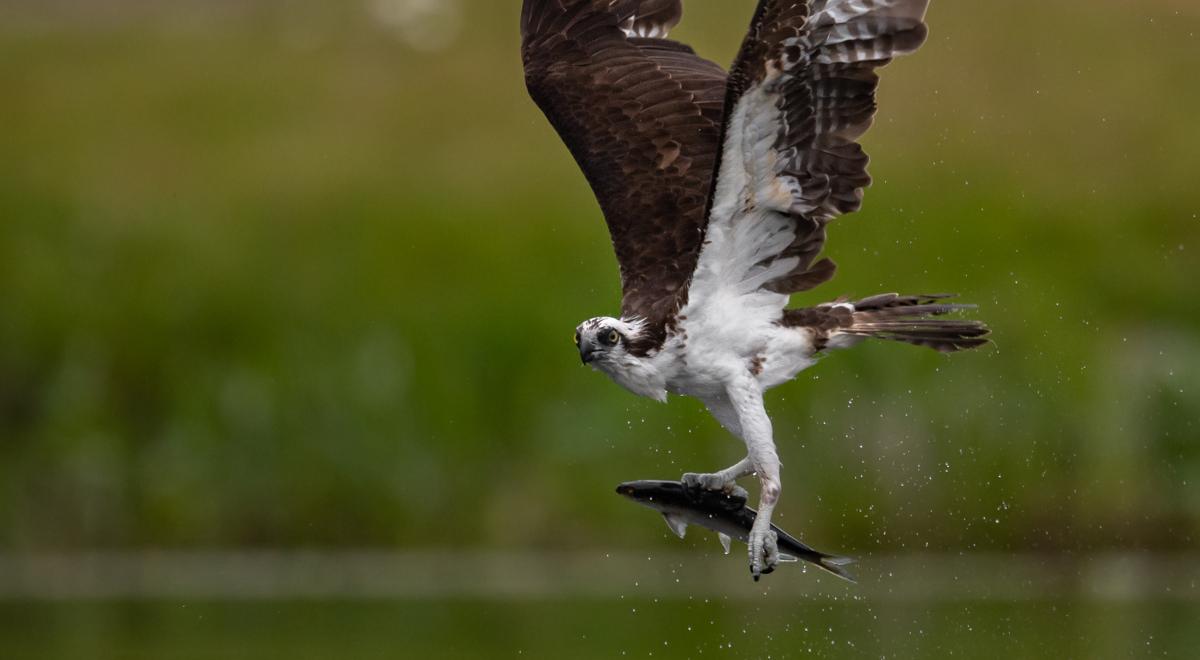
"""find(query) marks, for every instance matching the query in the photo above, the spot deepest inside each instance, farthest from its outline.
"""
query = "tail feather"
(908, 319)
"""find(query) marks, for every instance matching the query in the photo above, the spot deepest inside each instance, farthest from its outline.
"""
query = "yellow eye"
(576, 337)
(614, 337)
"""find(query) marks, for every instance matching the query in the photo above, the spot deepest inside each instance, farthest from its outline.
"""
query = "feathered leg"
(747, 399)
(743, 414)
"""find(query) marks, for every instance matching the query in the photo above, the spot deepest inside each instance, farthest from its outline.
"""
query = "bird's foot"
(764, 552)
(718, 483)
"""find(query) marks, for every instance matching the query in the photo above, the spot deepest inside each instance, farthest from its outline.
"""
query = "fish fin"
(787, 559)
(725, 541)
(677, 524)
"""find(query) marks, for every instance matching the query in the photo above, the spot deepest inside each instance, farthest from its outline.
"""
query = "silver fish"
(724, 513)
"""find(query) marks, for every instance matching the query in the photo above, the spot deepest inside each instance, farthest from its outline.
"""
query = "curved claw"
(764, 553)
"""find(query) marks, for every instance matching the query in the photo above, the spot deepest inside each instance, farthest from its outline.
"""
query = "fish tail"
(837, 566)
(829, 563)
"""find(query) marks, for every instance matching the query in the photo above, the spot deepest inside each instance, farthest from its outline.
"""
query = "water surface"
(597, 628)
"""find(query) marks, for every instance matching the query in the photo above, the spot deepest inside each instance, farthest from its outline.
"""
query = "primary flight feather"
(717, 189)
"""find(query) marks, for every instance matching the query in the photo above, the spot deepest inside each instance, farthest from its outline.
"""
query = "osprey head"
(604, 344)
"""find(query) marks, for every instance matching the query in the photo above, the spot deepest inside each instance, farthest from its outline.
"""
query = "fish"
(726, 514)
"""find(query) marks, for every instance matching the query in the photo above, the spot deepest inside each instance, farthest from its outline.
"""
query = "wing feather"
(800, 94)
(642, 117)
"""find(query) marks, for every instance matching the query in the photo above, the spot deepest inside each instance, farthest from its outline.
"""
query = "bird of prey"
(717, 188)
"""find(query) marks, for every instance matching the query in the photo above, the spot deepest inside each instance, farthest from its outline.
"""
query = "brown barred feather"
(649, 17)
(907, 319)
(819, 60)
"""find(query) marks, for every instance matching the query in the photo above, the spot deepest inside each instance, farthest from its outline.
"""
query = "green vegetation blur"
(306, 274)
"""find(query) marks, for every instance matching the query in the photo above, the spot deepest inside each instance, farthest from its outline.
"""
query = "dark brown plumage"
(642, 117)
(646, 118)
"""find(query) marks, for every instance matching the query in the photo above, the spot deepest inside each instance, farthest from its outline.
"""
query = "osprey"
(717, 188)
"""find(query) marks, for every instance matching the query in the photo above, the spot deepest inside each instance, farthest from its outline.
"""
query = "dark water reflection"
(598, 628)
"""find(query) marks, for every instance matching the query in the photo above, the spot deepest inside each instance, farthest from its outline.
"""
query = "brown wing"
(807, 69)
(642, 117)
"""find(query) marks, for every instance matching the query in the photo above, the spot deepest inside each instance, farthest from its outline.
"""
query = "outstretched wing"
(642, 117)
(801, 93)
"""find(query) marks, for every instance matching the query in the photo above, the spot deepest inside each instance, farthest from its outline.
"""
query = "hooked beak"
(587, 352)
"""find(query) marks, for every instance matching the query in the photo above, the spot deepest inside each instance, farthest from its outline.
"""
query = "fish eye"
(576, 337)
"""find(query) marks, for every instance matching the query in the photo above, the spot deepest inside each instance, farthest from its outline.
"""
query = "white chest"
(703, 363)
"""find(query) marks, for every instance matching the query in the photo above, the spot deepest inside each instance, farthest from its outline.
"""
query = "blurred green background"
(297, 275)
